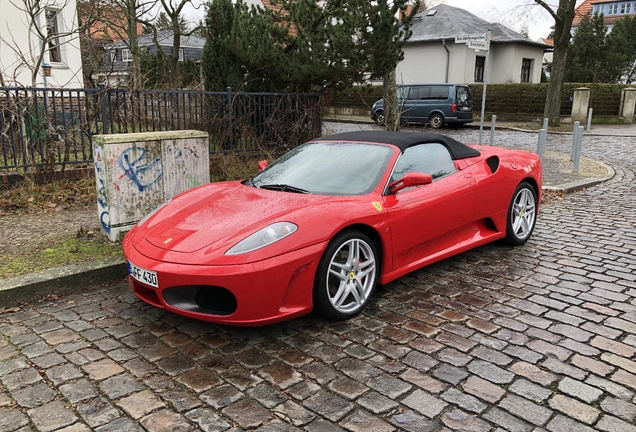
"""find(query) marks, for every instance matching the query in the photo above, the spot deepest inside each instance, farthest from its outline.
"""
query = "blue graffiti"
(135, 169)
(104, 218)
(102, 199)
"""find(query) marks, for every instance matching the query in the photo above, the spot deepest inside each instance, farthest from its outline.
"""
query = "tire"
(344, 283)
(522, 215)
(379, 118)
(436, 120)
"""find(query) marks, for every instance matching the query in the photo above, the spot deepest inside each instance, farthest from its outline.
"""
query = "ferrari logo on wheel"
(352, 276)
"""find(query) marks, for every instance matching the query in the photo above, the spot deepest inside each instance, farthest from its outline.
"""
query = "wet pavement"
(538, 337)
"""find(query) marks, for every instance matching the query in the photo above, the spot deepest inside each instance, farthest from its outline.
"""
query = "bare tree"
(173, 9)
(44, 35)
(563, 16)
(123, 19)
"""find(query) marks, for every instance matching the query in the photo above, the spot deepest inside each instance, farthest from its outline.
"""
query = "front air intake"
(205, 299)
(216, 300)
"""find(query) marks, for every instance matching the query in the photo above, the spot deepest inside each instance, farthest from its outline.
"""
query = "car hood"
(219, 215)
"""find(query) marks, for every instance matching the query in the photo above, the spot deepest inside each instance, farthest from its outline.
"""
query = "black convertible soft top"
(404, 140)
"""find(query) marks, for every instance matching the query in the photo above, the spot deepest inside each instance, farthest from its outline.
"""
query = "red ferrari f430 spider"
(322, 226)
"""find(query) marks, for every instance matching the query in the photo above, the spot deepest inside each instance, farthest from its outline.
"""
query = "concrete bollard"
(543, 137)
(578, 148)
(574, 133)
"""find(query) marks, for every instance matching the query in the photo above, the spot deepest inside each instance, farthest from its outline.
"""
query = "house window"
(626, 8)
(480, 62)
(125, 55)
(113, 56)
(180, 54)
(52, 32)
(612, 9)
(526, 70)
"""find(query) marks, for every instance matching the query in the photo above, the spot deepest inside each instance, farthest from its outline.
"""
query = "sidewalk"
(33, 286)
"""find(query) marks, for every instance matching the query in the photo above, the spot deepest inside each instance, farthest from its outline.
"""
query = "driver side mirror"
(262, 165)
(410, 180)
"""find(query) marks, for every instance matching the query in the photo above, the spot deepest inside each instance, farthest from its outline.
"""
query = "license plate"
(147, 277)
(465, 108)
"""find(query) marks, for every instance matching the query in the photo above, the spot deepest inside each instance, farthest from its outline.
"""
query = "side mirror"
(262, 165)
(410, 180)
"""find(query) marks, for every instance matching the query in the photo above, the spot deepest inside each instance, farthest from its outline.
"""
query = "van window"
(414, 93)
(463, 94)
(434, 92)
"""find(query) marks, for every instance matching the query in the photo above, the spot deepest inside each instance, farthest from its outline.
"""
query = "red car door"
(429, 218)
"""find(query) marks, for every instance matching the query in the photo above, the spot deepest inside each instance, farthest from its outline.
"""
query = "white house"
(21, 46)
(431, 54)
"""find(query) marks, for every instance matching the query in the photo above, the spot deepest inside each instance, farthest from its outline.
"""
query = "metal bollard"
(574, 133)
(589, 119)
(545, 124)
(579, 146)
(493, 124)
(543, 137)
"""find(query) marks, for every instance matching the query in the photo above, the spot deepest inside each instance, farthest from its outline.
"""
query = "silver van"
(435, 104)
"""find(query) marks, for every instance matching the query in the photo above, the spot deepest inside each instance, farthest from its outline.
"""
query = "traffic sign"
(472, 38)
(479, 45)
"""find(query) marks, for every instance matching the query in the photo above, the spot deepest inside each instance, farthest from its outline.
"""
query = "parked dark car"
(435, 104)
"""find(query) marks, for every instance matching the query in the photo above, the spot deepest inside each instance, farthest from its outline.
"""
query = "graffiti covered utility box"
(136, 172)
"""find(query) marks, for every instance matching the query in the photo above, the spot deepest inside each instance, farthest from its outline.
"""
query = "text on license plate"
(144, 276)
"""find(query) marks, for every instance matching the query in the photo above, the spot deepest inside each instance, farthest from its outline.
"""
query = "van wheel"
(379, 118)
(436, 121)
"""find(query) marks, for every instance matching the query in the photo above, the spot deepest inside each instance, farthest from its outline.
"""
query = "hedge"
(525, 99)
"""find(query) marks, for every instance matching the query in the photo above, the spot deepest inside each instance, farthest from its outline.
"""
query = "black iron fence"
(52, 128)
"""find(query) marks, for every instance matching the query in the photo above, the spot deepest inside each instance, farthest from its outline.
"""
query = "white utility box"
(136, 172)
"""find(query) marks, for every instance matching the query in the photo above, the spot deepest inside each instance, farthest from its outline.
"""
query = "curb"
(61, 280)
(577, 185)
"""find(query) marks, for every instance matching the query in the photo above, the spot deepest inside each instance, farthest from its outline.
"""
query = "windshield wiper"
(284, 188)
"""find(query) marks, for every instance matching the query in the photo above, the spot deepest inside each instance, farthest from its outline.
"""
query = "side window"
(414, 93)
(438, 92)
(432, 158)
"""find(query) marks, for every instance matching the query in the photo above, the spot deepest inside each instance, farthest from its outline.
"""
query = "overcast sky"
(519, 15)
(515, 14)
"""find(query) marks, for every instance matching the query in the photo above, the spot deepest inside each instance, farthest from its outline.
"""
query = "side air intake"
(493, 163)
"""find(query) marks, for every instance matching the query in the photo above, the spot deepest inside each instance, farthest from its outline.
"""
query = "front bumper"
(264, 292)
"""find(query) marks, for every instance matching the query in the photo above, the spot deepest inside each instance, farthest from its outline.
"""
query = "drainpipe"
(447, 59)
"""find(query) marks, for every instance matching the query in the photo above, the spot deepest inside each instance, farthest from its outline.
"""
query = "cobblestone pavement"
(539, 337)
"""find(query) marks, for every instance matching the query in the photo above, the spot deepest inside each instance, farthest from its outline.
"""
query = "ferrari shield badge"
(377, 206)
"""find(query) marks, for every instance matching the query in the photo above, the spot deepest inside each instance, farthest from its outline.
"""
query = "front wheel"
(346, 276)
(522, 215)
(436, 120)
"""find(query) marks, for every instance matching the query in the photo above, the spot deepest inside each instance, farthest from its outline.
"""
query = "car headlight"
(261, 238)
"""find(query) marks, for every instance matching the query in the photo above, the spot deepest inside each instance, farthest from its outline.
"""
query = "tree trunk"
(563, 17)
(391, 109)
(552, 109)
(176, 46)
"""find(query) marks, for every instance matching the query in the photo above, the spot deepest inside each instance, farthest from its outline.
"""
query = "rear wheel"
(436, 120)
(346, 276)
(522, 215)
(379, 118)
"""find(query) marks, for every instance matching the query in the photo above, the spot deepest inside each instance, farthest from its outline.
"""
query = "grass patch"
(58, 251)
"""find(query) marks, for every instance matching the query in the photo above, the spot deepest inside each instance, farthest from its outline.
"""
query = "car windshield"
(327, 168)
